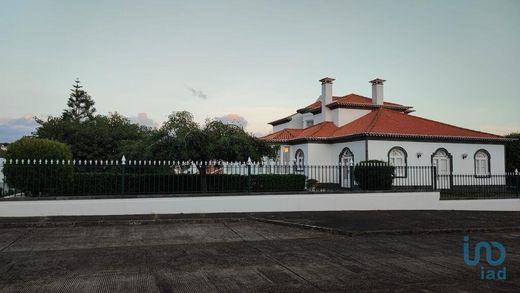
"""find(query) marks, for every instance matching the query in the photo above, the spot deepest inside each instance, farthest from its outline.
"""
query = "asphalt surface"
(235, 253)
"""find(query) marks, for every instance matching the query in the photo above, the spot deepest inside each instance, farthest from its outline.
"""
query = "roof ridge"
(375, 119)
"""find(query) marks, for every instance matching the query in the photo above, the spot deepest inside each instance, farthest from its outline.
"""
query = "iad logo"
(494, 272)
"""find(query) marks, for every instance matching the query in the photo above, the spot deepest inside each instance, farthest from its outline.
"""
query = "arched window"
(346, 161)
(300, 160)
(397, 157)
(441, 159)
(482, 163)
(346, 157)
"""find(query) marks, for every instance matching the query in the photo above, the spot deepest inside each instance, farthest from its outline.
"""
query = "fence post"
(434, 177)
(517, 183)
(123, 163)
(249, 174)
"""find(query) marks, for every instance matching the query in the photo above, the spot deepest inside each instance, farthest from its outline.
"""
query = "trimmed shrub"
(85, 183)
(31, 177)
(277, 182)
(513, 182)
(374, 175)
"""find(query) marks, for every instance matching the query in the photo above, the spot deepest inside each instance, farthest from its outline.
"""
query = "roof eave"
(396, 135)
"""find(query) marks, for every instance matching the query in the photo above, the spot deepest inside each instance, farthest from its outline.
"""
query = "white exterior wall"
(296, 122)
(356, 147)
(378, 150)
(344, 116)
(325, 154)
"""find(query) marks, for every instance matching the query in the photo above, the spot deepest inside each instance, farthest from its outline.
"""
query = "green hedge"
(85, 183)
(274, 182)
(33, 178)
(374, 175)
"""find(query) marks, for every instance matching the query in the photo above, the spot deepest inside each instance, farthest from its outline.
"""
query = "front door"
(346, 164)
(442, 164)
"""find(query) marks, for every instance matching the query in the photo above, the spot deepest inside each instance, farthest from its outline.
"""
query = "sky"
(252, 62)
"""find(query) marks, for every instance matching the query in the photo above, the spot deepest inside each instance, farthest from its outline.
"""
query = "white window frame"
(482, 163)
(300, 160)
(397, 157)
(346, 160)
(441, 159)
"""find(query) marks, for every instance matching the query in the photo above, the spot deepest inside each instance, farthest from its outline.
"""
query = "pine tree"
(81, 105)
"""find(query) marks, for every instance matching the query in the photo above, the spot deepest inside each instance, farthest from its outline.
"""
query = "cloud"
(12, 129)
(197, 93)
(143, 119)
(233, 119)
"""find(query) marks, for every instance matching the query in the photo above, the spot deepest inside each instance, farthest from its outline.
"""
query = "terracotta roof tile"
(381, 121)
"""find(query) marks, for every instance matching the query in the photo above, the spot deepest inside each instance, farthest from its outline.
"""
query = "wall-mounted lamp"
(464, 156)
(419, 154)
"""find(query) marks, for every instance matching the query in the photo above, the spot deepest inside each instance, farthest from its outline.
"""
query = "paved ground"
(236, 253)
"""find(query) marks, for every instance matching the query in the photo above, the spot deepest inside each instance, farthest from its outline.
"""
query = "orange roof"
(382, 122)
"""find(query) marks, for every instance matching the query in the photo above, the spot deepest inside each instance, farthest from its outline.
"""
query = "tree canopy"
(181, 138)
(95, 137)
(101, 137)
(80, 104)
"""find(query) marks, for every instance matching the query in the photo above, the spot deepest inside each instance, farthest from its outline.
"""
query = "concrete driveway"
(224, 253)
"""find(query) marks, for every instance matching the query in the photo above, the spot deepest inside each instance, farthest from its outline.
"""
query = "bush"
(85, 183)
(513, 182)
(277, 182)
(374, 175)
(31, 177)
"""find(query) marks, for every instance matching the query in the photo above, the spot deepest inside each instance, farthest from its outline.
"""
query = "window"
(482, 166)
(285, 154)
(397, 157)
(309, 123)
(300, 160)
(441, 159)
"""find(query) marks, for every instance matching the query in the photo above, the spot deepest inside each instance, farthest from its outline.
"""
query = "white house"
(353, 128)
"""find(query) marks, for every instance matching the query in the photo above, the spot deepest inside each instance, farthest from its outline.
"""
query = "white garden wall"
(249, 203)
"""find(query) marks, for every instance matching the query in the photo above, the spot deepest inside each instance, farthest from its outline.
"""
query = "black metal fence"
(57, 178)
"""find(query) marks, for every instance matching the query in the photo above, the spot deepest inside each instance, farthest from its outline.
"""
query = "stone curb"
(49, 224)
(385, 232)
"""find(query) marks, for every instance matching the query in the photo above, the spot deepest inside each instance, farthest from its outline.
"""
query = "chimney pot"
(377, 91)
(326, 98)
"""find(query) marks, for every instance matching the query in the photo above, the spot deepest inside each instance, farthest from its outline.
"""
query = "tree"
(80, 104)
(33, 177)
(99, 138)
(182, 139)
(513, 152)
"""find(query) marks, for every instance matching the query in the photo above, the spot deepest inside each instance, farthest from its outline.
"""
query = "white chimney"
(377, 91)
(326, 98)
